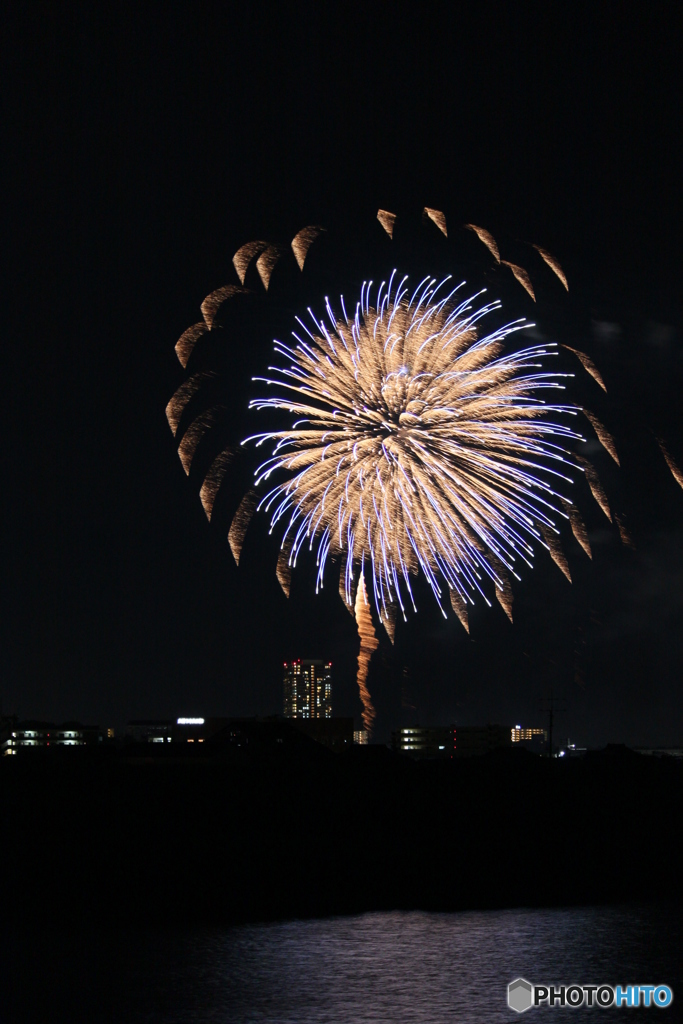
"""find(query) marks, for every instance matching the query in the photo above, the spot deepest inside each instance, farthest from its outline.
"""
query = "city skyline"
(118, 593)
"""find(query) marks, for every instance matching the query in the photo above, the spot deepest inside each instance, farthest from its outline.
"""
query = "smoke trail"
(368, 644)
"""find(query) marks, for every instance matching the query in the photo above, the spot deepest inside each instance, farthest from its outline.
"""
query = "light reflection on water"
(422, 968)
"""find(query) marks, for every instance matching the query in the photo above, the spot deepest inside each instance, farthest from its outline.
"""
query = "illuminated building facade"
(47, 734)
(425, 741)
(535, 740)
(519, 734)
(308, 689)
(450, 740)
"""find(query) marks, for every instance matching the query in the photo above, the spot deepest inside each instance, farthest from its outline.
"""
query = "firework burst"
(416, 443)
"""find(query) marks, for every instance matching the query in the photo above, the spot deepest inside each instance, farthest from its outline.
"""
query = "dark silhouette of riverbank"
(258, 832)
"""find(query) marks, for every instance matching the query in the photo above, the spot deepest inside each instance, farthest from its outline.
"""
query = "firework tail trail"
(588, 365)
(675, 471)
(368, 645)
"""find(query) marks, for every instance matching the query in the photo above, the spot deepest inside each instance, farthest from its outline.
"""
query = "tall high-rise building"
(308, 689)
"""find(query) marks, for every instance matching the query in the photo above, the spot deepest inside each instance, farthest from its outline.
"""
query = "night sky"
(146, 144)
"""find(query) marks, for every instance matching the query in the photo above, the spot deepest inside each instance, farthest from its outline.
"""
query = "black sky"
(145, 144)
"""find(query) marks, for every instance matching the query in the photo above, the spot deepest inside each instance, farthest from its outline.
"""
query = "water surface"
(422, 968)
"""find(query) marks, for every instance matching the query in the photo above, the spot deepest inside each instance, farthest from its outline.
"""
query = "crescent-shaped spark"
(675, 471)
(303, 241)
(487, 238)
(522, 276)
(240, 523)
(387, 220)
(213, 302)
(187, 341)
(244, 257)
(603, 435)
(214, 478)
(588, 365)
(438, 218)
(553, 264)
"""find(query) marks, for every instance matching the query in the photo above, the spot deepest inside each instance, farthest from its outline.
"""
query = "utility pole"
(552, 704)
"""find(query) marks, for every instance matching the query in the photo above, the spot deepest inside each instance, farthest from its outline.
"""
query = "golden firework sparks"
(675, 471)
(265, 264)
(418, 444)
(624, 532)
(240, 523)
(194, 434)
(603, 435)
(487, 238)
(593, 480)
(588, 365)
(438, 218)
(187, 390)
(302, 242)
(553, 264)
(556, 553)
(387, 220)
(213, 302)
(244, 257)
(503, 587)
(522, 276)
(214, 479)
(283, 569)
(460, 608)
(579, 529)
(187, 341)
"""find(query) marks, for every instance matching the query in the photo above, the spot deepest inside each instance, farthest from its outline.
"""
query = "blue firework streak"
(418, 443)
